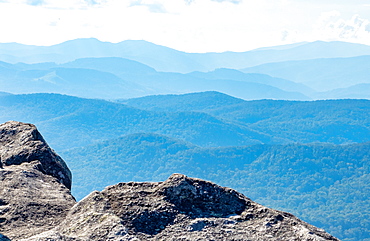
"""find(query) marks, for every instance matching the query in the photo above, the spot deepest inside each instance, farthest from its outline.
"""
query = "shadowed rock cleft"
(198, 198)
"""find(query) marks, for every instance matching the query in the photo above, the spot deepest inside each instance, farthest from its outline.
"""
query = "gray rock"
(180, 208)
(34, 183)
(20, 143)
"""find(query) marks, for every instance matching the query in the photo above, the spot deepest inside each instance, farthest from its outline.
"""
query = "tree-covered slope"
(205, 119)
(59, 117)
(324, 184)
(311, 180)
(332, 121)
(201, 102)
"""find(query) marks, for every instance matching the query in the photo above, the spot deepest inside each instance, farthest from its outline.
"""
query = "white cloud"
(231, 1)
(35, 2)
(153, 6)
(332, 26)
(189, 25)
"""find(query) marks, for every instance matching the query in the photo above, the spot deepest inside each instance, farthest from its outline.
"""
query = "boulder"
(34, 183)
(180, 208)
(21, 142)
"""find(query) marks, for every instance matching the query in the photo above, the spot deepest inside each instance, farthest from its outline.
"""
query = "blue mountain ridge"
(323, 74)
(169, 60)
(112, 78)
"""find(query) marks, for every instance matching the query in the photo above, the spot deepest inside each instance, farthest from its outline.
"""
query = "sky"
(186, 25)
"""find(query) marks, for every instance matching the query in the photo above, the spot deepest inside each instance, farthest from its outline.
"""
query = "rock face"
(21, 143)
(180, 208)
(34, 183)
(36, 204)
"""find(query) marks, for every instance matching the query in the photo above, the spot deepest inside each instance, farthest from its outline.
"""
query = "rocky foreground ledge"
(36, 204)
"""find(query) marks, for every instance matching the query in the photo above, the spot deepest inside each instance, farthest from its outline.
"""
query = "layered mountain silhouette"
(191, 113)
(320, 74)
(220, 121)
(110, 78)
(93, 69)
(169, 60)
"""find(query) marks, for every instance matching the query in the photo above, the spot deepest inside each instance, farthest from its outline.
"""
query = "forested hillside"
(324, 184)
(332, 121)
(253, 146)
(88, 121)
(210, 119)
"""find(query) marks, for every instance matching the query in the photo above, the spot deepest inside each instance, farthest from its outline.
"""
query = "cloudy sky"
(187, 25)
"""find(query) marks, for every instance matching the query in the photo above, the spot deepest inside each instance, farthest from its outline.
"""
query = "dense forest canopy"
(310, 158)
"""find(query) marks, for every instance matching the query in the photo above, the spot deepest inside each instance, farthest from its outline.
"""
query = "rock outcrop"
(21, 143)
(34, 183)
(180, 208)
(36, 204)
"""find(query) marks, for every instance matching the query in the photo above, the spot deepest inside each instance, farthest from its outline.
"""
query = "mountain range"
(255, 147)
(287, 125)
(92, 69)
(169, 60)
(205, 119)
(110, 78)
(320, 74)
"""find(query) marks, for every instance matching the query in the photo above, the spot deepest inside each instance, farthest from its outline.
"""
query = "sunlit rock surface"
(34, 183)
(180, 208)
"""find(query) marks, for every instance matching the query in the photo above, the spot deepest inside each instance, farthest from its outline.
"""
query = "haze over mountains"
(253, 146)
(245, 120)
(205, 119)
(320, 74)
(318, 70)
(169, 60)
